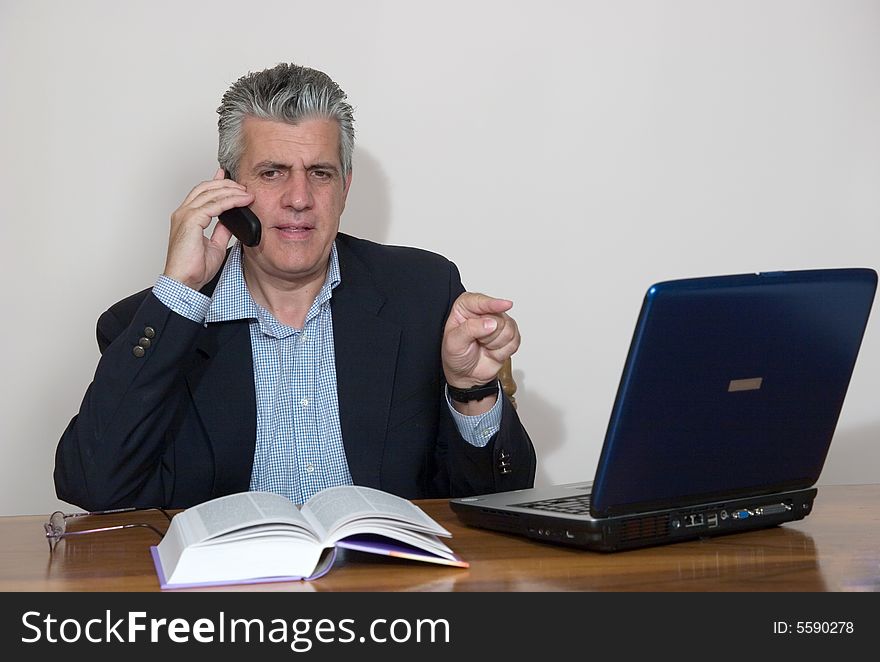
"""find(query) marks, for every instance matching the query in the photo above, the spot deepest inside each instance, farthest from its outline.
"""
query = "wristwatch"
(474, 392)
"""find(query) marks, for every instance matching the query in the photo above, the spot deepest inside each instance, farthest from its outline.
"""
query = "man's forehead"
(279, 142)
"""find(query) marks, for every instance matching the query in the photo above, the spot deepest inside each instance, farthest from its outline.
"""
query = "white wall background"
(565, 154)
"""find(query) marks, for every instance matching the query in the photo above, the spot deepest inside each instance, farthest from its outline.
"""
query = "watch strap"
(474, 392)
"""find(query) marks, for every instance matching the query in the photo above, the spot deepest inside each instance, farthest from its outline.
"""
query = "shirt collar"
(232, 300)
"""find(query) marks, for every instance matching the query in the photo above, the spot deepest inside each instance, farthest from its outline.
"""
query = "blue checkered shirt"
(299, 448)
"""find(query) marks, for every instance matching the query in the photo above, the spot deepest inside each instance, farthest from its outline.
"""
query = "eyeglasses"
(56, 527)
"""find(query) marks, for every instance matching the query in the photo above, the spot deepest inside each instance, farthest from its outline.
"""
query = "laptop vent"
(644, 527)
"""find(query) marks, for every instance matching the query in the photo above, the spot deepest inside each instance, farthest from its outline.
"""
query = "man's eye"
(321, 174)
(270, 174)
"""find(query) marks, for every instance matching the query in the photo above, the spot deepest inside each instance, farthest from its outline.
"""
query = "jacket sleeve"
(112, 453)
(507, 462)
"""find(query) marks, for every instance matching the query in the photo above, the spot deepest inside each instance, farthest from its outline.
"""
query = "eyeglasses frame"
(55, 533)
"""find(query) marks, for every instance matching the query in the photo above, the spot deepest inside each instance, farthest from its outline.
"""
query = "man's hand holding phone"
(243, 223)
(194, 259)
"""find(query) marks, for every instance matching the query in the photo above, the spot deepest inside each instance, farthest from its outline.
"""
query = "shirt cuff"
(477, 430)
(181, 299)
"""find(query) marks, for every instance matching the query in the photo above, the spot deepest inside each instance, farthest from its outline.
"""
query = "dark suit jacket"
(177, 426)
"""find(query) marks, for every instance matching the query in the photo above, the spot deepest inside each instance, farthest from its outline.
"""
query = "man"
(309, 360)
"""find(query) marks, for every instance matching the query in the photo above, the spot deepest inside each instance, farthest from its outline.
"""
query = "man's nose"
(297, 191)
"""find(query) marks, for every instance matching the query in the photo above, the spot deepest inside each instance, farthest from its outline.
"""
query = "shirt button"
(303, 337)
(304, 402)
(310, 468)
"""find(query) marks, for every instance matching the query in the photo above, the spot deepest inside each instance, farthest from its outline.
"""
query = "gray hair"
(285, 93)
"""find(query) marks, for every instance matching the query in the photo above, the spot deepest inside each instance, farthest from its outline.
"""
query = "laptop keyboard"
(578, 504)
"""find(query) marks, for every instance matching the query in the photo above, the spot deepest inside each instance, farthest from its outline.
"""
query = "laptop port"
(741, 514)
(694, 519)
(774, 509)
(712, 520)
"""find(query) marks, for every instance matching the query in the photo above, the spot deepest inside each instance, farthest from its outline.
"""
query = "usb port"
(712, 520)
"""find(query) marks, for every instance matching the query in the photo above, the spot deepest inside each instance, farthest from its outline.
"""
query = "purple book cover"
(374, 544)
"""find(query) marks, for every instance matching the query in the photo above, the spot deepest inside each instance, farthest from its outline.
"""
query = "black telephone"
(243, 223)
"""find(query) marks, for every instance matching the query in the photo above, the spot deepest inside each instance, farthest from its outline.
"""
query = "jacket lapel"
(221, 381)
(366, 349)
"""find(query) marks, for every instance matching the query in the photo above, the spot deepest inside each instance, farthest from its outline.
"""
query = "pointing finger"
(475, 304)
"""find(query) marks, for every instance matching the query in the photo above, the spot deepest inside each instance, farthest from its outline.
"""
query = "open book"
(260, 536)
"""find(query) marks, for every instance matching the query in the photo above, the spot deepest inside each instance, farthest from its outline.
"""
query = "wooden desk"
(836, 548)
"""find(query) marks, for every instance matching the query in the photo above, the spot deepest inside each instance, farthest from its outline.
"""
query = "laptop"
(728, 401)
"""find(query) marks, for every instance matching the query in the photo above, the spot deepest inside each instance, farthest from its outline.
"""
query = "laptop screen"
(733, 385)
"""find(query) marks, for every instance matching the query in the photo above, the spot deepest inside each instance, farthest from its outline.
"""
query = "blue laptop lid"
(733, 385)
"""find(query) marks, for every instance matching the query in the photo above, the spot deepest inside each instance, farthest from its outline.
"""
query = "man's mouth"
(294, 229)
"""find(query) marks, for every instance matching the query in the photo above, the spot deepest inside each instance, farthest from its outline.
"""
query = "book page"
(334, 507)
(239, 512)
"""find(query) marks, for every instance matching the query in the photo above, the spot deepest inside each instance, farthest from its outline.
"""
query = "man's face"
(296, 177)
